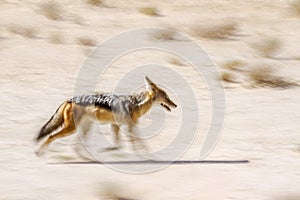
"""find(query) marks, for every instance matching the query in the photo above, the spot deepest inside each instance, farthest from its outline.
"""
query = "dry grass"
(51, 10)
(264, 77)
(151, 11)
(175, 61)
(84, 41)
(227, 77)
(78, 20)
(27, 32)
(298, 149)
(234, 65)
(267, 47)
(56, 38)
(95, 2)
(165, 35)
(218, 31)
(112, 191)
(295, 7)
(288, 197)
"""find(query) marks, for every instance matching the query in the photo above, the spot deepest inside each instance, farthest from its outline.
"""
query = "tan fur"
(72, 115)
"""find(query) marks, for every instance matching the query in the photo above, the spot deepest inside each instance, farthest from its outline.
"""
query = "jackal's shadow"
(150, 162)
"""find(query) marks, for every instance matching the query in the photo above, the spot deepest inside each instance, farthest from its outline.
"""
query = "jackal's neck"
(144, 102)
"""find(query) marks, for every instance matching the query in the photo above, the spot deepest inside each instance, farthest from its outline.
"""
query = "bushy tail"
(54, 122)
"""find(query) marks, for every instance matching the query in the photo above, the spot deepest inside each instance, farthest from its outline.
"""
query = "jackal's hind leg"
(85, 127)
(63, 133)
(81, 140)
(116, 139)
(69, 128)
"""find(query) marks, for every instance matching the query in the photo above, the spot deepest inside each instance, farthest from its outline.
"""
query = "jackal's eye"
(165, 95)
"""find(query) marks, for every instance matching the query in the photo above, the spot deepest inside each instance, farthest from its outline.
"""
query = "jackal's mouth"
(173, 105)
(166, 107)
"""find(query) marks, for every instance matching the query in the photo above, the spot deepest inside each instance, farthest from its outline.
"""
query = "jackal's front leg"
(136, 140)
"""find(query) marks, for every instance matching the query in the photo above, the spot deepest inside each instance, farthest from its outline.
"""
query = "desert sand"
(43, 47)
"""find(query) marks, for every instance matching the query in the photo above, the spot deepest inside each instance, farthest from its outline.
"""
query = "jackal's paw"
(39, 152)
(82, 154)
(110, 148)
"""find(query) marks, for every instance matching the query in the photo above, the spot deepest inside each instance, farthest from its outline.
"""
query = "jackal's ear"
(149, 84)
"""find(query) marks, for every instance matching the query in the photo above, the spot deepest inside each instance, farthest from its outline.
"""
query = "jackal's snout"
(172, 104)
(168, 103)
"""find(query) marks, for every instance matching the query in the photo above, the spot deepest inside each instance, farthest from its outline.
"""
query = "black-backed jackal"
(117, 110)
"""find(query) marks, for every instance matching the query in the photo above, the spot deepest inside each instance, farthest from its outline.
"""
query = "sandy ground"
(40, 64)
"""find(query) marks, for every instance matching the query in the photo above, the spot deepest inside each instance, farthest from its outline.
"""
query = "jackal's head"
(159, 95)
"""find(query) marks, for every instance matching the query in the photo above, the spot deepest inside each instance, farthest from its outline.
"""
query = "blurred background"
(255, 45)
